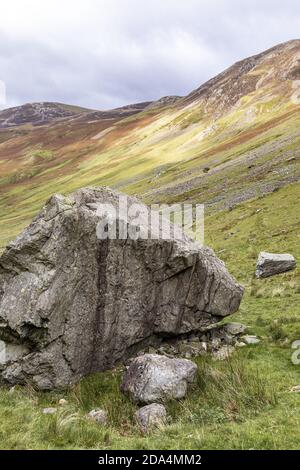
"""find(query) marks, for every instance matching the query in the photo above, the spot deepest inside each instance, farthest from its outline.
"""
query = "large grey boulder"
(269, 264)
(72, 304)
(153, 378)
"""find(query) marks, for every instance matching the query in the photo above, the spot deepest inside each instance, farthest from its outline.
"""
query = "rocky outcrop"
(153, 378)
(72, 304)
(217, 337)
(270, 264)
(37, 114)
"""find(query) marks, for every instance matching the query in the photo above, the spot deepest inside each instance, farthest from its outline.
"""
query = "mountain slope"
(37, 114)
(235, 138)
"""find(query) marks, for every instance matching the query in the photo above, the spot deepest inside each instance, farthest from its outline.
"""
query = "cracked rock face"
(71, 304)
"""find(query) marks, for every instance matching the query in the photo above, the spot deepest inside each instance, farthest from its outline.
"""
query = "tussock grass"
(223, 393)
(276, 332)
(228, 391)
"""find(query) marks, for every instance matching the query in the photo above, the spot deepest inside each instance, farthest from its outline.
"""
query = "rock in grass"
(235, 329)
(191, 349)
(153, 378)
(99, 416)
(296, 389)
(269, 264)
(72, 303)
(63, 402)
(150, 417)
(49, 411)
(250, 339)
(223, 353)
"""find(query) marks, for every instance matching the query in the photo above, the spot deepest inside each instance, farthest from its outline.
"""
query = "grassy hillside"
(233, 144)
(233, 139)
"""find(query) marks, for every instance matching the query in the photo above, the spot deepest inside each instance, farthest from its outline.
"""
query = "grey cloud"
(106, 53)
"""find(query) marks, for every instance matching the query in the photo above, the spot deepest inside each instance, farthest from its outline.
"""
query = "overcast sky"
(106, 53)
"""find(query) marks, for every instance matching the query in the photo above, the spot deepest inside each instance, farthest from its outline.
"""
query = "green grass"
(225, 394)
(243, 403)
(242, 400)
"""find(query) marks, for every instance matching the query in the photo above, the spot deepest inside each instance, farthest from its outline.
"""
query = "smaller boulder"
(191, 349)
(216, 343)
(235, 329)
(223, 353)
(63, 402)
(250, 339)
(153, 378)
(49, 411)
(150, 417)
(99, 416)
(269, 264)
